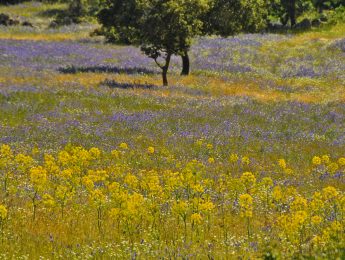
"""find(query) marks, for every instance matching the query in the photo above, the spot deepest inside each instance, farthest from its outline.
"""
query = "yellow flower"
(233, 158)
(180, 207)
(332, 167)
(282, 163)
(48, 201)
(206, 206)
(267, 182)
(325, 159)
(3, 212)
(115, 213)
(196, 218)
(131, 180)
(115, 154)
(67, 173)
(35, 151)
(38, 176)
(123, 146)
(298, 204)
(300, 217)
(151, 150)
(316, 160)
(277, 193)
(211, 160)
(341, 161)
(317, 202)
(95, 153)
(97, 197)
(199, 142)
(315, 220)
(197, 188)
(246, 204)
(64, 157)
(88, 183)
(329, 193)
(5, 151)
(245, 160)
(248, 179)
(209, 146)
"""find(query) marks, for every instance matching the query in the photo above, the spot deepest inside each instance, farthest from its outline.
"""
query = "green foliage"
(228, 17)
(337, 16)
(285, 10)
(161, 28)
(82, 8)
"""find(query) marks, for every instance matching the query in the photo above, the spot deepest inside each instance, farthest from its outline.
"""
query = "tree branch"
(159, 65)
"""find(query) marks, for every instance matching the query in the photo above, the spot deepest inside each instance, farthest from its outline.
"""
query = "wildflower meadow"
(242, 159)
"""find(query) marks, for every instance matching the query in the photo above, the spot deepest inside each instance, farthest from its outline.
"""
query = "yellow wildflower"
(38, 176)
(298, 204)
(211, 160)
(341, 161)
(196, 218)
(245, 160)
(329, 193)
(267, 182)
(6, 151)
(316, 160)
(233, 158)
(277, 193)
(332, 167)
(151, 150)
(123, 146)
(95, 153)
(325, 159)
(315, 220)
(3, 212)
(248, 179)
(282, 163)
(246, 204)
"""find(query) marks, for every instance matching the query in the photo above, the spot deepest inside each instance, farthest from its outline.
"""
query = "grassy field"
(243, 158)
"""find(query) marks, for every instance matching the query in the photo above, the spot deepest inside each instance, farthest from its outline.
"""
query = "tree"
(288, 10)
(230, 17)
(161, 28)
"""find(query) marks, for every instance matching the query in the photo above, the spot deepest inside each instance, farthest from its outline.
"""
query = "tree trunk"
(165, 78)
(165, 69)
(292, 12)
(185, 64)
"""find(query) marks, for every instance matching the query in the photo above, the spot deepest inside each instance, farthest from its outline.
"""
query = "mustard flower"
(316, 160)
(196, 218)
(123, 146)
(3, 212)
(329, 193)
(341, 161)
(246, 204)
(248, 179)
(282, 163)
(325, 159)
(233, 158)
(245, 160)
(211, 160)
(151, 150)
(315, 220)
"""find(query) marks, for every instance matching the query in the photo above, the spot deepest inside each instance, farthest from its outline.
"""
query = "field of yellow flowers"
(87, 203)
(242, 159)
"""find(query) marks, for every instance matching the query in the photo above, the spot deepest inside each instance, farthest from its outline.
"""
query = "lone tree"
(161, 28)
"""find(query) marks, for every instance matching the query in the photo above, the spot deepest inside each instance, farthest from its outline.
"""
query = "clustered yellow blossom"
(123, 195)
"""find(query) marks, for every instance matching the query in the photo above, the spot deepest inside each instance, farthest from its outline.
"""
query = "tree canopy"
(161, 28)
